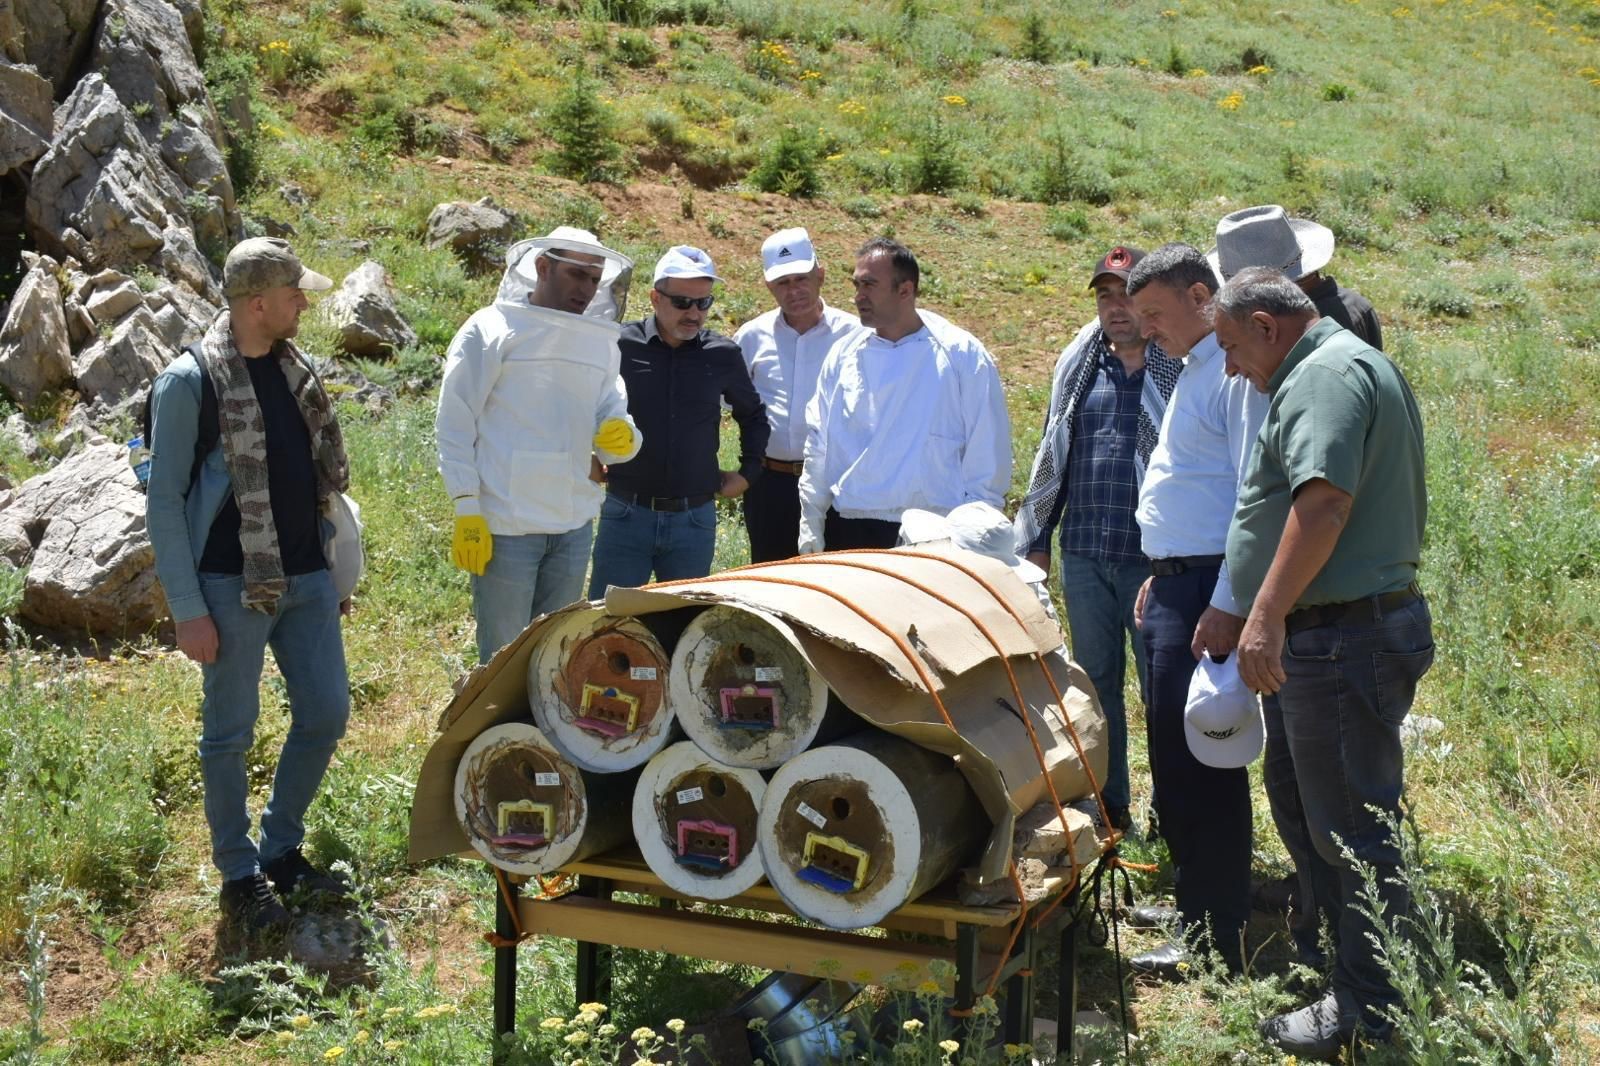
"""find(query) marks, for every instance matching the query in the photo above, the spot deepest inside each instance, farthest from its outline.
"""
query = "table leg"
(594, 960)
(1019, 990)
(505, 969)
(1067, 992)
(966, 977)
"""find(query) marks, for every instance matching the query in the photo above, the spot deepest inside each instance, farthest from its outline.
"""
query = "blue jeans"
(1099, 598)
(1350, 684)
(634, 542)
(527, 576)
(308, 647)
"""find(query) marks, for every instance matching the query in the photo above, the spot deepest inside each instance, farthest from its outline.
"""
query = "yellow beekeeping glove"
(472, 546)
(614, 436)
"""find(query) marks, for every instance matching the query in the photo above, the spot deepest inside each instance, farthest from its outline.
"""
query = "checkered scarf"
(244, 448)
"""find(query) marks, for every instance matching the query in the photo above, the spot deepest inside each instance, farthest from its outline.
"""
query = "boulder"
(478, 232)
(54, 34)
(92, 568)
(108, 305)
(364, 313)
(35, 353)
(80, 323)
(16, 429)
(26, 115)
(118, 366)
(101, 193)
(181, 317)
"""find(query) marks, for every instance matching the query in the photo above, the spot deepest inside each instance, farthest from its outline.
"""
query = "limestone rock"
(26, 115)
(80, 324)
(108, 305)
(181, 317)
(102, 194)
(93, 570)
(17, 430)
(35, 353)
(125, 362)
(365, 314)
(478, 232)
(55, 36)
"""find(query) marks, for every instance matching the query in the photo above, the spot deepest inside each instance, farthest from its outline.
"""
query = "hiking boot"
(1319, 1031)
(249, 902)
(291, 874)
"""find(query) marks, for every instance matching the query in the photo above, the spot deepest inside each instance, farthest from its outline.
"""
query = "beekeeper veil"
(610, 299)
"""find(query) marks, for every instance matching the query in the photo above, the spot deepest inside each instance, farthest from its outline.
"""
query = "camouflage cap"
(263, 263)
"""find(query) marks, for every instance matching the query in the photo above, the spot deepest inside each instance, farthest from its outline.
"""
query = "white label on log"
(769, 673)
(642, 673)
(546, 779)
(812, 815)
(691, 795)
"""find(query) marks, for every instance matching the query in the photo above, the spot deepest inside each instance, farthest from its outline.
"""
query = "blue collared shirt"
(1102, 480)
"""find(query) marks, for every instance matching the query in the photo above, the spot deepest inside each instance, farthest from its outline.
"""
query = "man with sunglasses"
(659, 517)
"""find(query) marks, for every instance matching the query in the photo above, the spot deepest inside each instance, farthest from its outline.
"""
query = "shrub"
(1037, 47)
(1066, 225)
(861, 207)
(1177, 63)
(1440, 298)
(1334, 92)
(936, 167)
(584, 130)
(789, 166)
(1062, 177)
(635, 49)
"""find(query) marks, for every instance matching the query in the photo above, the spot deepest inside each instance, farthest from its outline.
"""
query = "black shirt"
(1349, 308)
(291, 482)
(675, 397)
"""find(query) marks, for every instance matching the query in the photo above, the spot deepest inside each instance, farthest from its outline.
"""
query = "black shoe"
(1151, 916)
(1121, 819)
(250, 903)
(1170, 962)
(291, 873)
(1276, 896)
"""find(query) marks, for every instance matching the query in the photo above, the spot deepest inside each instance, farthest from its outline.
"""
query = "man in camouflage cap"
(239, 535)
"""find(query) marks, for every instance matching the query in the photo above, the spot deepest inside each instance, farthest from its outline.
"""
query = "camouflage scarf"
(244, 448)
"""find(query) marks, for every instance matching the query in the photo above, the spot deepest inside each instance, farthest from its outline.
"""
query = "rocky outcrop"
(477, 232)
(54, 35)
(366, 316)
(115, 367)
(35, 353)
(26, 116)
(103, 194)
(92, 569)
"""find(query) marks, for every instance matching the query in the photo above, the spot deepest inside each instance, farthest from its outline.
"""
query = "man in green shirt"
(1323, 552)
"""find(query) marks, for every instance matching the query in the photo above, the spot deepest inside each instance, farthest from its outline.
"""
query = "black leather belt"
(1370, 609)
(784, 466)
(1177, 564)
(663, 503)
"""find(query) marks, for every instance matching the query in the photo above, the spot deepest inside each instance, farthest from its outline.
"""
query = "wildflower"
(585, 1018)
(1183, 967)
(1401, 12)
(949, 1047)
(810, 74)
(929, 987)
(393, 1045)
(283, 1038)
(551, 1024)
(359, 1012)
(332, 1053)
(912, 1025)
(577, 1039)
(301, 1021)
(675, 1025)
(835, 157)
(444, 1010)
(955, 100)
(1197, 72)
(756, 1024)
(1232, 102)
(426, 1014)
(1168, 13)
(883, 151)
(1260, 70)
(642, 1034)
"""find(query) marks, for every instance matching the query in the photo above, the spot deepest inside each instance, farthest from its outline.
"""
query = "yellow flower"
(949, 1047)
(642, 1034)
(1401, 12)
(883, 151)
(359, 1012)
(675, 1025)
(835, 157)
(301, 1021)
(283, 1037)
(1168, 13)
(426, 1014)
(577, 1039)
(332, 1053)
(1261, 70)
(361, 1037)
(1197, 72)
(549, 1025)
(585, 1017)
(955, 100)
(929, 987)
(393, 1045)
(606, 1030)
(912, 1025)
(1232, 102)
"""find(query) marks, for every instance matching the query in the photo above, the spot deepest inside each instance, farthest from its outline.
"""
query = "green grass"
(1452, 147)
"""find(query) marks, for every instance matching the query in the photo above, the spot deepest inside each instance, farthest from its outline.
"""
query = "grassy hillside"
(1453, 146)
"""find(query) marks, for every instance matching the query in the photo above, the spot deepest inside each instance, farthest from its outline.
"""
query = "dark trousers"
(1313, 904)
(772, 516)
(1350, 685)
(1204, 811)
(840, 534)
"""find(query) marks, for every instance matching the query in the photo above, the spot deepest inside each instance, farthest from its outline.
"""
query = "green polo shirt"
(1340, 411)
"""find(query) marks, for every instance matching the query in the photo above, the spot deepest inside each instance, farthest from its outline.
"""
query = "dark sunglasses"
(683, 303)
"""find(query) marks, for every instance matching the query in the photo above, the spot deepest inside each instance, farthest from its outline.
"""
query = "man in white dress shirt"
(784, 349)
(1187, 608)
(908, 413)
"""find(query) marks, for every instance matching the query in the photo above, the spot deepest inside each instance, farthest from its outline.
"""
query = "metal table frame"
(969, 938)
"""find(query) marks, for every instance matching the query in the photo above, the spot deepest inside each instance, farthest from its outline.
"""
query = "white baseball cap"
(975, 526)
(1222, 718)
(789, 251)
(684, 261)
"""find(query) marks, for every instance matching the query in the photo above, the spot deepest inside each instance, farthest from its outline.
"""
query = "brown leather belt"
(784, 466)
(1369, 609)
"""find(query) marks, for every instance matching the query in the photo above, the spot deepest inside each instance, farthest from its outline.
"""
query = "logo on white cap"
(789, 251)
(1222, 718)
